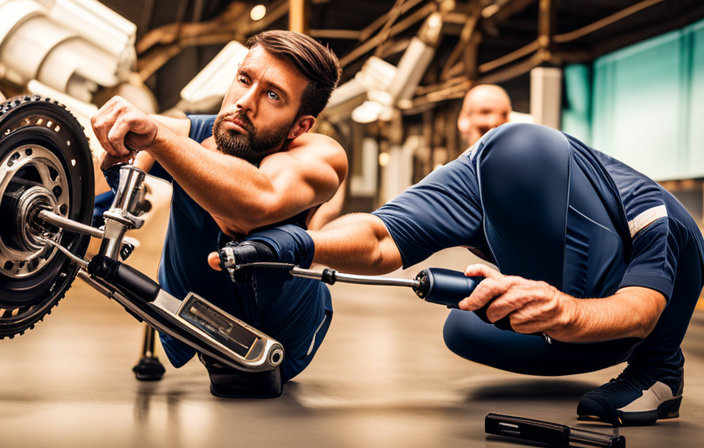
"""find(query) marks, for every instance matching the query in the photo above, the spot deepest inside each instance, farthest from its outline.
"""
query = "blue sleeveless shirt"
(192, 234)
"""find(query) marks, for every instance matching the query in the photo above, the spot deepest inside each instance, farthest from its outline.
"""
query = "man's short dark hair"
(317, 63)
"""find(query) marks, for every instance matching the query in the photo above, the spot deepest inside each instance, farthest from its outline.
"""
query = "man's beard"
(249, 146)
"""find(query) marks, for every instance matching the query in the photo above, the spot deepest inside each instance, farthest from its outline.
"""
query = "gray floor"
(383, 378)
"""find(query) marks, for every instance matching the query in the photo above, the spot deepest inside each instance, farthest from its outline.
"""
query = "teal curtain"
(644, 104)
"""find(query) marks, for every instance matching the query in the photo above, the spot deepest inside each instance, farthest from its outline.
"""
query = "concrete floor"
(383, 378)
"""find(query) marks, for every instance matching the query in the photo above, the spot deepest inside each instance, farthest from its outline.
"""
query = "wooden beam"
(508, 10)
(471, 51)
(403, 25)
(606, 21)
(299, 16)
(511, 57)
(465, 36)
(367, 32)
(335, 34)
(230, 19)
(392, 16)
(546, 22)
(515, 70)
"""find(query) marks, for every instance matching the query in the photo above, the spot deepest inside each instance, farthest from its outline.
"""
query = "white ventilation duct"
(72, 46)
(398, 86)
(208, 88)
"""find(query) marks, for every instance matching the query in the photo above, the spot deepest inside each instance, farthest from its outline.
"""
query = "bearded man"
(251, 167)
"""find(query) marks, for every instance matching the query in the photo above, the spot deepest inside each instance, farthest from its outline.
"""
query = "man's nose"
(247, 101)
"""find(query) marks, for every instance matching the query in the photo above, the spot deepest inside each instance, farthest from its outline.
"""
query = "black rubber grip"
(124, 277)
(248, 252)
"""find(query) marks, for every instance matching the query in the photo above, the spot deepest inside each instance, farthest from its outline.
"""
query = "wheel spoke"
(45, 174)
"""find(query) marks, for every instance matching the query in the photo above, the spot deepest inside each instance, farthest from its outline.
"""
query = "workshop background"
(625, 76)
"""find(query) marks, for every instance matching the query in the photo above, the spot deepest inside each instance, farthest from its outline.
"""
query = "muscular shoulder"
(317, 148)
(319, 144)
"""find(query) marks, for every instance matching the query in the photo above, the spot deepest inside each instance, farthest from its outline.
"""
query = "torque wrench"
(434, 285)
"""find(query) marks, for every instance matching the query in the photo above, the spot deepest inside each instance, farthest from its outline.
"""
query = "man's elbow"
(235, 224)
(651, 318)
(647, 326)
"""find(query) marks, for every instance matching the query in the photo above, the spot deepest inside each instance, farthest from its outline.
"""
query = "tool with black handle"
(434, 285)
(548, 433)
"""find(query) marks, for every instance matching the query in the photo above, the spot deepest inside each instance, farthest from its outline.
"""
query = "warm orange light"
(258, 12)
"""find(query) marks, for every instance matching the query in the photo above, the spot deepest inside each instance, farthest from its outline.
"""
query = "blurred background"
(625, 76)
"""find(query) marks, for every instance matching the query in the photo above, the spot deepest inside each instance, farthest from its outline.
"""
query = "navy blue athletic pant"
(557, 228)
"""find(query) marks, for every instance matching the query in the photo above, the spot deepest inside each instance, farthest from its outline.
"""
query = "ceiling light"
(258, 12)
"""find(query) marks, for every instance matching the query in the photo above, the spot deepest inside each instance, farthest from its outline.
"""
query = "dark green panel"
(647, 104)
(577, 114)
(637, 110)
(695, 106)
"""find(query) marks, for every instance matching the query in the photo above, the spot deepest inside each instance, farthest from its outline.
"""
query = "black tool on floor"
(552, 434)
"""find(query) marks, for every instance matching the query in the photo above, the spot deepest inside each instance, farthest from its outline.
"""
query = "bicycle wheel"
(45, 163)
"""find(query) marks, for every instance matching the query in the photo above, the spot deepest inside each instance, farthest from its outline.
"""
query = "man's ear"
(301, 126)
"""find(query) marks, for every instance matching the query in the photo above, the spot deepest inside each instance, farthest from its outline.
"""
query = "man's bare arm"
(240, 196)
(357, 243)
(537, 307)
(180, 126)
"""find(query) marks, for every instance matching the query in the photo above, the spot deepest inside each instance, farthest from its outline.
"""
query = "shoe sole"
(253, 395)
(666, 410)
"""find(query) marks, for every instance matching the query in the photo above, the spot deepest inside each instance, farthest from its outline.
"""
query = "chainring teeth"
(68, 165)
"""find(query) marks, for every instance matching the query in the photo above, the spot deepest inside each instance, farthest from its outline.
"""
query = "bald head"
(485, 107)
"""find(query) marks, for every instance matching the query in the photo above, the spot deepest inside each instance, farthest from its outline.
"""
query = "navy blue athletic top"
(444, 210)
(193, 234)
(288, 309)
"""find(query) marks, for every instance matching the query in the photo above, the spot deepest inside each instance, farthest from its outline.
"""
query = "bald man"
(485, 107)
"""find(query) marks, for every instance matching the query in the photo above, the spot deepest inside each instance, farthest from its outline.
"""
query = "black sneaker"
(638, 396)
(226, 382)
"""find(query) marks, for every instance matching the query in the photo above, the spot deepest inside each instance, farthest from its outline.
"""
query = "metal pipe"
(69, 224)
(97, 284)
(606, 21)
(350, 278)
(63, 250)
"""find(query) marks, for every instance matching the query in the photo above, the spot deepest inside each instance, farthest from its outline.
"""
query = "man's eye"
(243, 80)
(273, 95)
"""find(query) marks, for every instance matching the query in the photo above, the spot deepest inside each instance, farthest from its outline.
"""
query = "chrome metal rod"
(359, 279)
(63, 250)
(69, 224)
(95, 283)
